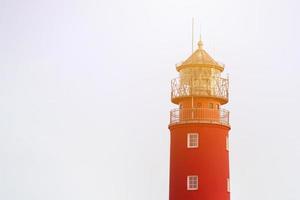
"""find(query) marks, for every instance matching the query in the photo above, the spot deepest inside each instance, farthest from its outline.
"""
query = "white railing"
(216, 87)
(199, 115)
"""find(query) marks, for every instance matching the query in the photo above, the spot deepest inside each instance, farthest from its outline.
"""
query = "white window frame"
(190, 184)
(227, 143)
(228, 185)
(189, 138)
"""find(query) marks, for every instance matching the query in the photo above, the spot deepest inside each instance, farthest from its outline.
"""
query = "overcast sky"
(85, 95)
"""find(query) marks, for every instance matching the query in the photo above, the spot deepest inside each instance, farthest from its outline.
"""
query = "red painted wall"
(209, 161)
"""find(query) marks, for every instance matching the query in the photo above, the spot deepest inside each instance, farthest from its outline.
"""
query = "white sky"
(85, 95)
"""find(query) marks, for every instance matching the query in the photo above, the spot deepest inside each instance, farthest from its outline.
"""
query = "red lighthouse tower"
(199, 161)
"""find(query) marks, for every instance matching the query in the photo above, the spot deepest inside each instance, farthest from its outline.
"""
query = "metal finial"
(200, 43)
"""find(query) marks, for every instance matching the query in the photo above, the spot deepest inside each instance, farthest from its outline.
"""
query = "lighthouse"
(199, 126)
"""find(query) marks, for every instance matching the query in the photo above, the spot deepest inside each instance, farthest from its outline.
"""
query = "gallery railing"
(215, 87)
(199, 115)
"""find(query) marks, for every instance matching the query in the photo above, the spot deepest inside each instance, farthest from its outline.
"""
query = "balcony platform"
(199, 115)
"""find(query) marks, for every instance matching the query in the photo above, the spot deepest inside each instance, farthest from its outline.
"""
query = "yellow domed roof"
(200, 58)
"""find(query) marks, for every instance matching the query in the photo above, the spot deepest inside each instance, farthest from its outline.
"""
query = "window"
(192, 182)
(227, 143)
(228, 185)
(192, 140)
(210, 105)
(218, 106)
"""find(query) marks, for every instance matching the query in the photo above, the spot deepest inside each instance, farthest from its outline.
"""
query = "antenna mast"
(193, 35)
